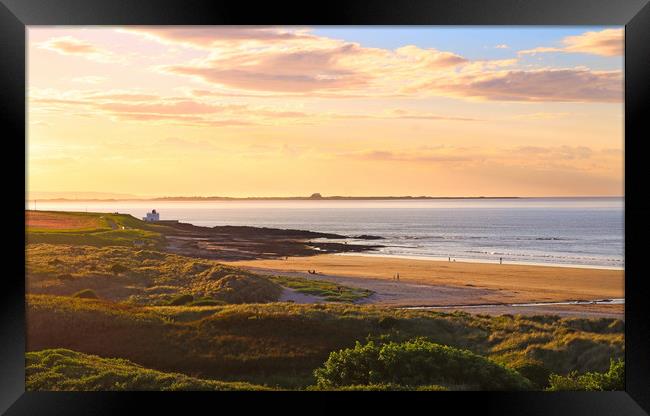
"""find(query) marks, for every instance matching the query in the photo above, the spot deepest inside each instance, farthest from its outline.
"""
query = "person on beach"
(398, 277)
(500, 260)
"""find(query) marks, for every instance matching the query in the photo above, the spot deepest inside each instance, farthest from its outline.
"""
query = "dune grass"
(282, 343)
(149, 277)
(66, 370)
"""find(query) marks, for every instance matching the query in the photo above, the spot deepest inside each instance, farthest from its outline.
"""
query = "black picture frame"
(15, 15)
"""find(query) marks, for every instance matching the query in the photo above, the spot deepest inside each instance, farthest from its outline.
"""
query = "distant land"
(315, 196)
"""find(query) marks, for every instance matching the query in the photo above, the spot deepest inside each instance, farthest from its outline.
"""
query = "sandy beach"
(441, 283)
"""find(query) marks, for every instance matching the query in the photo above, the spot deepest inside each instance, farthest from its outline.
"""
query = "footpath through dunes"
(282, 343)
(442, 283)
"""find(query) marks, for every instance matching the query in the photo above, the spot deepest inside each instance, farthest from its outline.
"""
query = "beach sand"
(440, 283)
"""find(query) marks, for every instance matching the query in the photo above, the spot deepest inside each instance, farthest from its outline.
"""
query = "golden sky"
(267, 111)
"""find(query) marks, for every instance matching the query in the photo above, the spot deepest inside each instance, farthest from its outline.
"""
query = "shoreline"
(484, 261)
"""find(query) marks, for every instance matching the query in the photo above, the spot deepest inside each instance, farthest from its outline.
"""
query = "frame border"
(15, 15)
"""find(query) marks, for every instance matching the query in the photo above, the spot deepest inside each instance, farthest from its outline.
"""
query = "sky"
(356, 111)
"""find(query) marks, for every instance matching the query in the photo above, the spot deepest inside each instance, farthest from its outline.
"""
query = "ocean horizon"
(565, 231)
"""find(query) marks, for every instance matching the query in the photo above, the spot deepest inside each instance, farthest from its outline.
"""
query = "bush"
(533, 371)
(118, 269)
(611, 380)
(387, 322)
(415, 363)
(86, 294)
(181, 300)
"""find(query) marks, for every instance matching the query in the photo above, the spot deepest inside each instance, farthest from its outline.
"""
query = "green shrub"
(611, 380)
(86, 294)
(387, 322)
(415, 363)
(181, 300)
(533, 371)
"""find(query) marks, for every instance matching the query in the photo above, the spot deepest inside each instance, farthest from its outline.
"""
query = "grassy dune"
(282, 343)
(65, 370)
(147, 277)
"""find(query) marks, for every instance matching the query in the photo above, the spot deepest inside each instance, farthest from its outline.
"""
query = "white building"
(152, 216)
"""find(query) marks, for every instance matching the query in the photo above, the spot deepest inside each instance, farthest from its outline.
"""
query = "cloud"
(415, 156)
(310, 64)
(540, 49)
(399, 114)
(541, 116)
(502, 46)
(68, 45)
(563, 85)
(567, 158)
(560, 152)
(208, 37)
(150, 107)
(89, 79)
(607, 42)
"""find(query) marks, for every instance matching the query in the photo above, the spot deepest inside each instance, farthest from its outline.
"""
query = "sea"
(583, 232)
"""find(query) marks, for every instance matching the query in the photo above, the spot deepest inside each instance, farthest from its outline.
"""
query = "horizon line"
(314, 197)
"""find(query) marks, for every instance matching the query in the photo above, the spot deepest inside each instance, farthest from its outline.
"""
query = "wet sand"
(440, 283)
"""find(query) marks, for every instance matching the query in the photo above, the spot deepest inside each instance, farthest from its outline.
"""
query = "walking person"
(500, 260)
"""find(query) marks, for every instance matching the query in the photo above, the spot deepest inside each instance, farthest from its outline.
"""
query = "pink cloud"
(68, 45)
(568, 85)
(294, 71)
(205, 37)
(608, 42)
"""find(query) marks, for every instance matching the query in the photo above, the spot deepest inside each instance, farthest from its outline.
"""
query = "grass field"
(94, 229)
